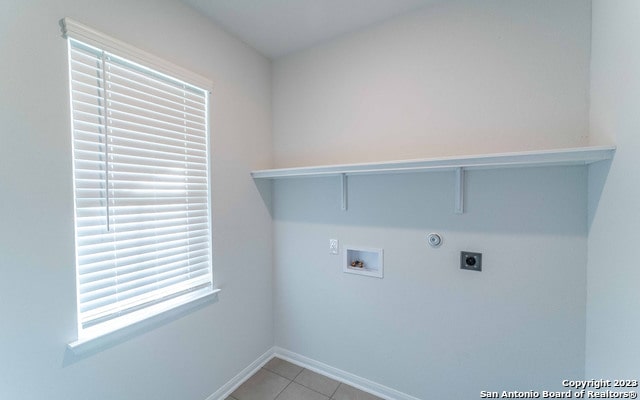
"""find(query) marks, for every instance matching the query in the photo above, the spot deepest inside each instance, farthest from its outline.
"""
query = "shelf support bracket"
(459, 200)
(345, 190)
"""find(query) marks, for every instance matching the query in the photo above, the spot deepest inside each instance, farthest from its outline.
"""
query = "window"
(141, 183)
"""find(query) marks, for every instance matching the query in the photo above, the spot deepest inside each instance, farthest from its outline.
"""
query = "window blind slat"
(179, 118)
(123, 306)
(160, 256)
(141, 187)
(84, 55)
(138, 239)
(166, 154)
(165, 261)
(92, 229)
(91, 272)
(142, 276)
(167, 137)
(125, 88)
(138, 100)
(122, 291)
(104, 279)
(131, 255)
(128, 289)
(130, 231)
(172, 280)
(144, 83)
(148, 77)
(89, 164)
(135, 98)
(131, 116)
(139, 211)
(138, 176)
(133, 211)
(142, 184)
(186, 134)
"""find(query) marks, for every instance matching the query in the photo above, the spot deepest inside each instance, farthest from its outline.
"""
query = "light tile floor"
(281, 380)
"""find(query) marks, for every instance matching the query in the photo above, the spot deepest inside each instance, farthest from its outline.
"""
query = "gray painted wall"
(188, 357)
(428, 328)
(459, 77)
(613, 324)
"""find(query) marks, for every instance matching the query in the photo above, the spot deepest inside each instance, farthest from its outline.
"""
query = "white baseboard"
(366, 385)
(242, 376)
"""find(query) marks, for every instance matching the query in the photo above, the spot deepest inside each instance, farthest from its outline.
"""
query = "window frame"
(82, 33)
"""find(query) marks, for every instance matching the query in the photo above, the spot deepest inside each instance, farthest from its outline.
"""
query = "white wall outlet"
(333, 246)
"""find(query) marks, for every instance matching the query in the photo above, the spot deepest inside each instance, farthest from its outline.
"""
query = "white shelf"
(572, 156)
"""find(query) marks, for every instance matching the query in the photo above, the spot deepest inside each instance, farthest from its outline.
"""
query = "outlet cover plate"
(333, 246)
(471, 261)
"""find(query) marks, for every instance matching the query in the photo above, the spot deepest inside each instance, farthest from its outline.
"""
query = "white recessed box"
(363, 261)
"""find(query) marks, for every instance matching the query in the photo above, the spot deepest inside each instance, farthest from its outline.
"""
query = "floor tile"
(283, 368)
(263, 385)
(317, 382)
(298, 392)
(346, 392)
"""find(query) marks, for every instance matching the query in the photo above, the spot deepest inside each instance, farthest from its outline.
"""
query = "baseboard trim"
(366, 385)
(356, 381)
(242, 376)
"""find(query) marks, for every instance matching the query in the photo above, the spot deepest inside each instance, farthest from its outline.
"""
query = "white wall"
(613, 324)
(459, 77)
(188, 357)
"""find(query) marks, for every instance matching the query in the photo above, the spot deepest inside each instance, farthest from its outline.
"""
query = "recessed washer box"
(363, 261)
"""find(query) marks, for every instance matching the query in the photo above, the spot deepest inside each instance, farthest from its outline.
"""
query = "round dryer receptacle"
(434, 240)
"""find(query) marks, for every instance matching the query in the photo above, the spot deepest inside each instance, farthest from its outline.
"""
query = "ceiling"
(279, 27)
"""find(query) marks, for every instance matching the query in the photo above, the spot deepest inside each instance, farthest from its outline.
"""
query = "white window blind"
(140, 150)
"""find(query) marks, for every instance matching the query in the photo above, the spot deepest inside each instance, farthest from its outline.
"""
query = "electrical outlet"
(333, 246)
(471, 261)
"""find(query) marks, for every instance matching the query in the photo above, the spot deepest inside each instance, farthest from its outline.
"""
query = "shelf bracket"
(459, 200)
(345, 187)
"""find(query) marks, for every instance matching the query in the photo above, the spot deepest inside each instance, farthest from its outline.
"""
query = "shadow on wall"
(598, 173)
(548, 200)
(264, 187)
(126, 334)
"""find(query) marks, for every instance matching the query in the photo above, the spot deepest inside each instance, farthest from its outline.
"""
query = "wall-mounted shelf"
(572, 156)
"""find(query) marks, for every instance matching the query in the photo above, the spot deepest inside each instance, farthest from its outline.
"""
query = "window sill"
(97, 342)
